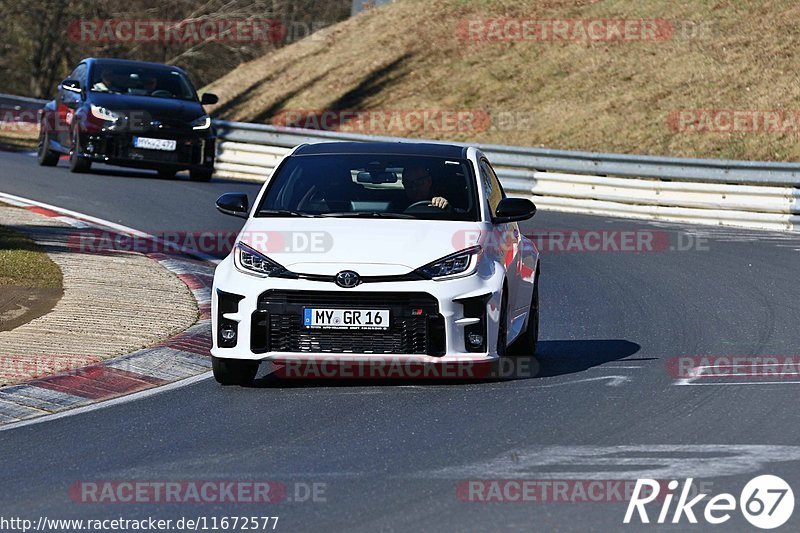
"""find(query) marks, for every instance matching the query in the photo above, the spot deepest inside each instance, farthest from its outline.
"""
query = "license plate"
(346, 318)
(147, 143)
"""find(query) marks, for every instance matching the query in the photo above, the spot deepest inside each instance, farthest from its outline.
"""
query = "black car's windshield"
(373, 186)
(141, 81)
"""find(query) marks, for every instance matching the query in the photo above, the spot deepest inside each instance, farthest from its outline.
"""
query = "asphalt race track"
(391, 455)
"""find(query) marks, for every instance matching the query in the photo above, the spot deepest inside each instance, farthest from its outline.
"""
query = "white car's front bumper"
(228, 279)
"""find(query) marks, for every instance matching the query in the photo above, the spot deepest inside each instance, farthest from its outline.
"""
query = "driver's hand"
(440, 202)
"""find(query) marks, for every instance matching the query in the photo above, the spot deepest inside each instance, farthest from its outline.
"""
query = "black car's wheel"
(44, 155)
(166, 173)
(200, 175)
(526, 344)
(234, 371)
(77, 163)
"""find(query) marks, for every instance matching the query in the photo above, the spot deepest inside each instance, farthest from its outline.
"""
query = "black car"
(129, 113)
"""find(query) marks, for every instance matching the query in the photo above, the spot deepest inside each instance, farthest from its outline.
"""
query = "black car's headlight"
(459, 264)
(248, 260)
(202, 123)
(105, 114)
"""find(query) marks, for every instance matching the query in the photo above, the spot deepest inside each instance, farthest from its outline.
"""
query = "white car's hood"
(371, 247)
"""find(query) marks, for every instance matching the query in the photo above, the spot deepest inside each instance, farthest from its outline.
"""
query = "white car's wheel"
(525, 345)
(502, 326)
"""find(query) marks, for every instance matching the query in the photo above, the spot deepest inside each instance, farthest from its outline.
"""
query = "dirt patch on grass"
(30, 282)
(20, 305)
(582, 95)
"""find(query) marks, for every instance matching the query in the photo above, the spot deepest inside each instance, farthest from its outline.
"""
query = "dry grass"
(17, 137)
(588, 96)
(24, 264)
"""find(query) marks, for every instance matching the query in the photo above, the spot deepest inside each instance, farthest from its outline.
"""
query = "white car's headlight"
(105, 114)
(249, 260)
(202, 123)
(459, 264)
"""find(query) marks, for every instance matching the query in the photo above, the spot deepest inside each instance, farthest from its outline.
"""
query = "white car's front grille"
(416, 325)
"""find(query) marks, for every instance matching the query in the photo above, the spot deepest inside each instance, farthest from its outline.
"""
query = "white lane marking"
(615, 381)
(657, 461)
(24, 202)
(74, 222)
(741, 383)
(109, 403)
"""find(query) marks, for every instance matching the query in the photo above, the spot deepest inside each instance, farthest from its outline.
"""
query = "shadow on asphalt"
(554, 358)
(133, 173)
(557, 358)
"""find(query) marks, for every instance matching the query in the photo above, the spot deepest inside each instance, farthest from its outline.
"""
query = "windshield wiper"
(369, 214)
(283, 213)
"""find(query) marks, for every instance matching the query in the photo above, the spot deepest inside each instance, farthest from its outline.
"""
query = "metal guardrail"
(18, 103)
(710, 170)
(755, 194)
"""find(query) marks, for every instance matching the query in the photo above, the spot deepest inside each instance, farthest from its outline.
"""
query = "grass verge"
(24, 264)
(610, 96)
(30, 282)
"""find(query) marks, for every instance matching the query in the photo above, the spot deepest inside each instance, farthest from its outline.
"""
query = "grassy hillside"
(618, 96)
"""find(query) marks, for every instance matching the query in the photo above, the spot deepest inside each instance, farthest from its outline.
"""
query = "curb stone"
(182, 356)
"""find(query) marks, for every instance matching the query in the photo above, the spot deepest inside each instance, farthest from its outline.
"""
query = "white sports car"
(374, 252)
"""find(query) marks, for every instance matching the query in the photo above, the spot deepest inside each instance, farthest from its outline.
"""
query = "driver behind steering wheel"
(417, 183)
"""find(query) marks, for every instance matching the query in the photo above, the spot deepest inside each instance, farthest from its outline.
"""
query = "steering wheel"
(424, 206)
(161, 93)
(307, 197)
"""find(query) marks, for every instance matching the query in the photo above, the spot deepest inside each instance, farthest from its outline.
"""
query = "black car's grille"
(187, 151)
(416, 326)
(155, 155)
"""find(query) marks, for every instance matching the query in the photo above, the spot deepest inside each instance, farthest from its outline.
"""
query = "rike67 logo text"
(766, 502)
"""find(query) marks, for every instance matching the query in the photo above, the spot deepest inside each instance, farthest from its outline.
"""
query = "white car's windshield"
(141, 81)
(372, 185)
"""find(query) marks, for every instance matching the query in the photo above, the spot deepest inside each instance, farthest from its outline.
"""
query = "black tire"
(44, 155)
(200, 175)
(76, 162)
(502, 329)
(166, 173)
(234, 371)
(525, 345)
